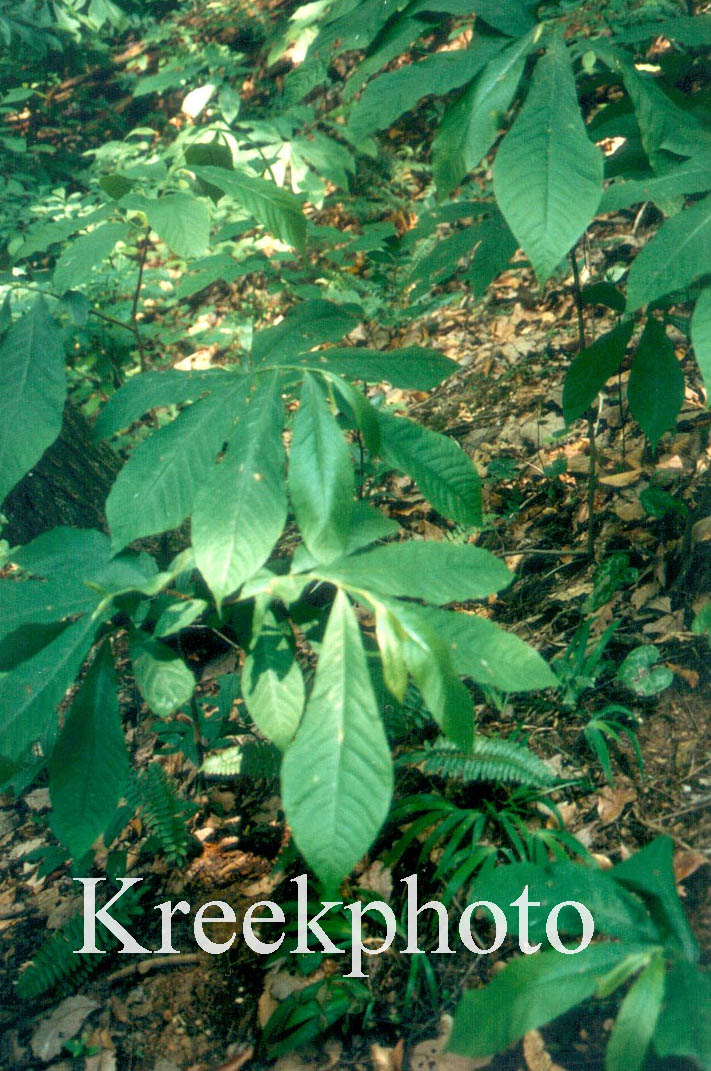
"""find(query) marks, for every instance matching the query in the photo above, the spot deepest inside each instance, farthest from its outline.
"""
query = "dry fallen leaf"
(428, 1055)
(65, 1021)
(612, 802)
(384, 1059)
(535, 1054)
(687, 863)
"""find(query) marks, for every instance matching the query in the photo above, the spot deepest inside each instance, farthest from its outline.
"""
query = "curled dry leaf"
(612, 802)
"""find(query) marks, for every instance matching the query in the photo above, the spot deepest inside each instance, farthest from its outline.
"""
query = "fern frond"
(165, 814)
(57, 965)
(491, 759)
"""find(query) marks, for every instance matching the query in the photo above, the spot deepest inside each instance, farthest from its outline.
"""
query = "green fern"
(491, 759)
(56, 964)
(165, 814)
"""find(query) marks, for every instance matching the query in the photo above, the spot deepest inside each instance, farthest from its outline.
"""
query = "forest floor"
(504, 407)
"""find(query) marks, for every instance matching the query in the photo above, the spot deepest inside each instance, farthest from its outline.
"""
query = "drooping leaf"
(637, 1019)
(33, 389)
(483, 651)
(701, 337)
(241, 507)
(272, 682)
(547, 172)
(650, 873)
(156, 488)
(163, 679)
(321, 480)
(363, 414)
(89, 765)
(684, 1026)
(391, 94)
(469, 127)
(279, 211)
(141, 393)
(30, 695)
(655, 390)
(532, 991)
(445, 475)
(182, 221)
(663, 125)
(592, 368)
(81, 255)
(437, 573)
(673, 258)
(337, 771)
(427, 659)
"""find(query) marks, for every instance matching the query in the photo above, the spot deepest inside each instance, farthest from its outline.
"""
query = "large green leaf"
(617, 912)
(676, 255)
(434, 572)
(156, 488)
(306, 325)
(182, 221)
(89, 765)
(387, 97)
(74, 266)
(511, 18)
(655, 390)
(163, 679)
(547, 172)
(684, 1027)
(279, 211)
(445, 475)
(532, 991)
(693, 176)
(412, 368)
(65, 558)
(701, 337)
(592, 368)
(30, 694)
(272, 682)
(33, 389)
(240, 508)
(321, 480)
(636, 1020)
(337, 771)
(469, 127)
(147, 391)
(480, 649)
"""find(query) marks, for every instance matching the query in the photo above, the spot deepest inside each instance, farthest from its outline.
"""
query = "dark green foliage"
(56, 965)
(489, 760)
(164, 813)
